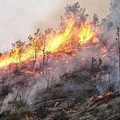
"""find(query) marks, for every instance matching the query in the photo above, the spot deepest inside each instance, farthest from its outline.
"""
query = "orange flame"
(53, 43)
(86, 33)
(61, 39)
(106, 94)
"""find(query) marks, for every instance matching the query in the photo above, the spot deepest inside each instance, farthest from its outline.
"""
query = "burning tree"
(69, 50)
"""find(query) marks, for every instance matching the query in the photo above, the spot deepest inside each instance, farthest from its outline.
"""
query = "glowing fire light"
(60, 39)
(86, 33)
(54, 43)
(105, 95)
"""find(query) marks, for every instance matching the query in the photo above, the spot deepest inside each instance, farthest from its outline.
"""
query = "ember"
(105, 95)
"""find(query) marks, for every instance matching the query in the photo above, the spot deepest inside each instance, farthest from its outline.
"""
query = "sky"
(21, 18)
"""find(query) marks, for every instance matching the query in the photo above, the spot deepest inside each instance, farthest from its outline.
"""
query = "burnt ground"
(71, 99)
(91, 108)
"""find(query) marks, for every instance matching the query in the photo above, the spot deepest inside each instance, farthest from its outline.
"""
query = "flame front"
(86, 33)
(59, 40)
(54, 43)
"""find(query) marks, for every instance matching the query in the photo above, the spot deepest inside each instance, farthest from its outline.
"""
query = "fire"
(107, 94)
(54, 43)
(86, 33)
(9, 58)
(61, 39)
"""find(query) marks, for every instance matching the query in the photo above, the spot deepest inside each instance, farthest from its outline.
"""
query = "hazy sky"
(20, 18)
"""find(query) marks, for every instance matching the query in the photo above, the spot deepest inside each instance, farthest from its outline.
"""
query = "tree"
(114, 12)
(95, 20)
(77, 11)
(118, 40)
(18, 48)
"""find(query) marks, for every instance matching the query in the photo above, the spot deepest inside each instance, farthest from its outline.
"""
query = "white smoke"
(115, 12)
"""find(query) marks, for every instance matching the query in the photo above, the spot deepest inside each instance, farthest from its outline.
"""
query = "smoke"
(109, 30)
(115, 12)
(111, 22)
(19, 19)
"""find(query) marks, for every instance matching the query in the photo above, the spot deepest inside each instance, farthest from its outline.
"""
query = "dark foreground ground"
(107, 108)
(69, 100)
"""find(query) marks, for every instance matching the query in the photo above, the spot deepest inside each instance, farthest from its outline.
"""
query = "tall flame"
(53, 43)
(60, 39)
(86, 33)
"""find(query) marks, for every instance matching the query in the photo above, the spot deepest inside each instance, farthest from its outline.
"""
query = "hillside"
(71, 99)
(71, 72)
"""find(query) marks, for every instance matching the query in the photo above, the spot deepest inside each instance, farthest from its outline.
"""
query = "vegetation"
(57, 98)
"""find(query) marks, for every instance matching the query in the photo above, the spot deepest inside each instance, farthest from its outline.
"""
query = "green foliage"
(17, 115)
(18, 104)
(20, 111)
